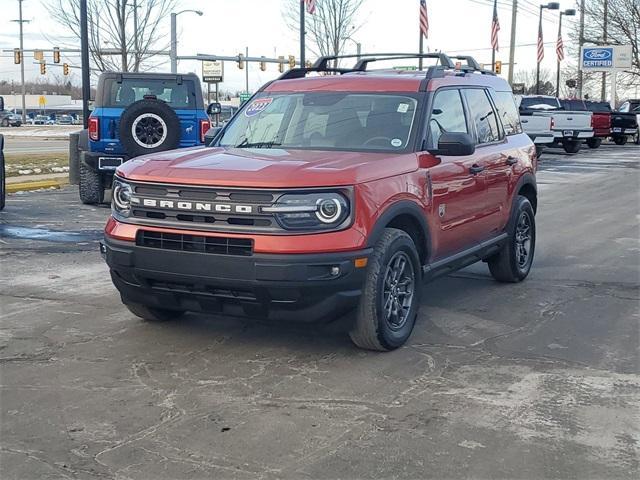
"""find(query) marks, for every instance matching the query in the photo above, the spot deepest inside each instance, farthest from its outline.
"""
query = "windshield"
(539, 103)
(177, 95)
(323, 121)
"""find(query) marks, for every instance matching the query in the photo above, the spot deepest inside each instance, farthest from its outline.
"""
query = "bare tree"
(528, 78)
(132, 27)
(329, 28)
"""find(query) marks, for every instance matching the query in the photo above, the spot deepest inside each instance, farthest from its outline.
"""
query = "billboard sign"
(212, 71)
(605, 58)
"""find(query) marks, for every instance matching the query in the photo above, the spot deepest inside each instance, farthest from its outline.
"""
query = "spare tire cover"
(149, 126)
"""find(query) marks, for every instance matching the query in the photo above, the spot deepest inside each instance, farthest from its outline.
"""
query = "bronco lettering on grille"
(192, 206)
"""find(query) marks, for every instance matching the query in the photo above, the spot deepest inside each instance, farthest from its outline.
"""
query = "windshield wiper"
(246, 144)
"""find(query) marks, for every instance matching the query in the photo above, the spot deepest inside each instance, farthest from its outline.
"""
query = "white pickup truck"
(537, 127)
(570, 128)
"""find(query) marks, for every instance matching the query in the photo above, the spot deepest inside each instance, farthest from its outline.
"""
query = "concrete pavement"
(534, 380)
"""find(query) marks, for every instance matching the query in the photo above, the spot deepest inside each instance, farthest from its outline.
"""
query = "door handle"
(475, 168)
(511, 160)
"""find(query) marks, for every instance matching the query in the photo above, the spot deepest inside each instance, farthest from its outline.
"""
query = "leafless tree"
(112, 25)
(528, 77)
(329, 28)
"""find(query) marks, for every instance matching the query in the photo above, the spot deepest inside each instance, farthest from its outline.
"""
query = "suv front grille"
(195, 243)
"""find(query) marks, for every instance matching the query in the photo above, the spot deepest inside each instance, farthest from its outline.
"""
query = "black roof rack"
(443, 59)
(472, 65)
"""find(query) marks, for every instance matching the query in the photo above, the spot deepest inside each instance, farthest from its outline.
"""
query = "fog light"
(335, 271)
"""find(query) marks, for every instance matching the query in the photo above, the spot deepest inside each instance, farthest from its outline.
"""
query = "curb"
(37, 185)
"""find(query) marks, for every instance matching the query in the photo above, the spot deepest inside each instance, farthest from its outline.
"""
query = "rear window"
(508, 112)
(176, 95)
(539, 103)
(599, 107)
(576, 105)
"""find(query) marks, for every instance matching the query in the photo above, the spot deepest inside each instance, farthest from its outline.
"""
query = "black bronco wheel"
(621, 140)
(594, 142)
(3, 185)
(149, 126)
(152, 314)
(91, 185)
(513, 262)
(571, 146)
(390, 299)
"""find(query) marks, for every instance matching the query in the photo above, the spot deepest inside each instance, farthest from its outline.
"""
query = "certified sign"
(212, 71)
(606, 57)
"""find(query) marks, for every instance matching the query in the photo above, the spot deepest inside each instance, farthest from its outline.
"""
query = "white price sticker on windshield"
(403, 108)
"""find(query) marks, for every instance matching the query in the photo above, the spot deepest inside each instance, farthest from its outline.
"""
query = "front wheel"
(621, 140)
(594, 142)
(513, 262)
(571, 146)
(390, 300)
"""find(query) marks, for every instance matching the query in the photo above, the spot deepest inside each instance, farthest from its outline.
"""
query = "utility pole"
(302, 33)
(20, 21)
(512, 45)
(174, 44)
(246, 70)
(136, 57)
(580, 43)
(603, 91)
(84, 55)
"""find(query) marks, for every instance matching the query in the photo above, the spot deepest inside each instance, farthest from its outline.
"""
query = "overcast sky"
(456, 26)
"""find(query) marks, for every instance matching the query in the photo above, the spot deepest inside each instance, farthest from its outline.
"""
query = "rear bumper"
(617, 131)
(602, 132)
(541, 138)
(286, 287)
(574, 135)
(104, 162)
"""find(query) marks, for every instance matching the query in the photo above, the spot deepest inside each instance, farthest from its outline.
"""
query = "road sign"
(212, 71)
(605, 58)
(244, 97)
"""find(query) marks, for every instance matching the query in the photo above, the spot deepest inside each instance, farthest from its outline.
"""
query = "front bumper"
(283, 287)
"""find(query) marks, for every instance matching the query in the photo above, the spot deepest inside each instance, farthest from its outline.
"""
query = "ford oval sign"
(597, 57)
(597, 54)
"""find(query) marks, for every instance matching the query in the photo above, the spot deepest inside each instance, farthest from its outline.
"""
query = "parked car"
(629, 106)
(8, 118)
(538, 128)
(622, 124)
(64, 120)
(331, 194)
(40, 120)
(600, 118)
(570, 128)
(137, 114)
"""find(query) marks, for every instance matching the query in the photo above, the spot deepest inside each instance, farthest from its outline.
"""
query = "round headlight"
(329, 210)
(122, 197)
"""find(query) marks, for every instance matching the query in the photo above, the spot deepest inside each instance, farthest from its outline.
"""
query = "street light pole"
(550, 6)
(20, 21)
(84, 55)
(512, 43)
(570, 12)
(173, 54)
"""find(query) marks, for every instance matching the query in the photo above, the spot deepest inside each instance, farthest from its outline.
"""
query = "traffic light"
(56, 55)
(43, 68)
(38, 55)
(292, 61)
(498, 67)
(240, 61)
(263, 65)
(65, 69)
(281, 64)
(17, 56)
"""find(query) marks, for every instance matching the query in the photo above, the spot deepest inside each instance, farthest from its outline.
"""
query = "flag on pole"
(560, 48)
(311, 6)
(540, 43)
(495, 27)
(424, 19)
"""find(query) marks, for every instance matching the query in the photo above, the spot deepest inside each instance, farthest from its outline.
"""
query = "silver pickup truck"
(570, 128)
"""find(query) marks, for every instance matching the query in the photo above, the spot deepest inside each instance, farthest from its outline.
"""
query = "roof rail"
(301, 72)
(443, 59)
(472, 65)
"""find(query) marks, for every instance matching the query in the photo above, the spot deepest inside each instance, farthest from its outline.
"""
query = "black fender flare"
(527, 178)
(402, 207)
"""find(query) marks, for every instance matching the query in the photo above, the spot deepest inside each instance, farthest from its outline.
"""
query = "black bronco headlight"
(311, 211)
(121, 202)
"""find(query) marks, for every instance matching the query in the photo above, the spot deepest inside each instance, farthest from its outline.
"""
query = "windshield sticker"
(396, 142)
(257, 106)
(403, 108)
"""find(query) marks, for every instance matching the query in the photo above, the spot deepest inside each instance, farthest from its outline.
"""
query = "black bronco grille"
(195, 243)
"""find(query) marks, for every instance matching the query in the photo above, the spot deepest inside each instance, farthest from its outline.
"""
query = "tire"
(571, 146)
(151, 314)
(91, 186)
(621, 140)
(506, 266)
(636, 137)
(149, 126)
(373, 328)
(594, 142)
(3, 185)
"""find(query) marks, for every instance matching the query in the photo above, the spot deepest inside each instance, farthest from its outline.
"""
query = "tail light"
(94, 128)
(553, 123)
(592, 122)
(205, 125)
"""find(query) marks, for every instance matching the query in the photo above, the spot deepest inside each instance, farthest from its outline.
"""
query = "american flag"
(540, 43)
(560, 48)
(424, 19)
(495, 27)
(311, 6)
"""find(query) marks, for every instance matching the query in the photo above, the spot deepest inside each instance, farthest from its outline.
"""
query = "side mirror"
(455, 145)
(214, 108)
(211, 134)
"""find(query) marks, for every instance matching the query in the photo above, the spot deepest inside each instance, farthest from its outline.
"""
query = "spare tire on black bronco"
(149, 126)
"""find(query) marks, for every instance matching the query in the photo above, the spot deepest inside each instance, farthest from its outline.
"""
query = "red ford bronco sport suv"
(329, 193)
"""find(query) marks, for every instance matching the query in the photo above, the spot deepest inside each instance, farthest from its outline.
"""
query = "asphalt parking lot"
(533, 380)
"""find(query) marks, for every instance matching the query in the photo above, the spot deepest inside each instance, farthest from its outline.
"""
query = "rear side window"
(508, 112)
(176, 95)
(483, 115)
(447, 115)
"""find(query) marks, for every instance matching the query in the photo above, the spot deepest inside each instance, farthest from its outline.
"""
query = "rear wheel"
(389, 303)
(594, 142)
(621, 140)
(636, 137)
(152, 314)
(513, 262)
(571, 146)
(91, 185)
